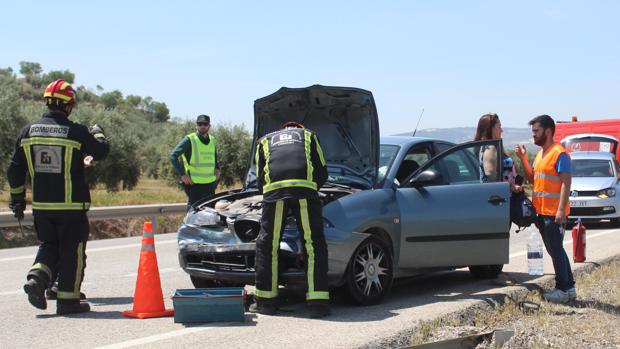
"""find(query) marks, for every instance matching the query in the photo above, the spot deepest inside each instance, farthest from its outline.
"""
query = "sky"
(457, 60)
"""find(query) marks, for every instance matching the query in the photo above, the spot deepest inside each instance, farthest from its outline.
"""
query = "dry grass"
(592, 321)
(148, 191)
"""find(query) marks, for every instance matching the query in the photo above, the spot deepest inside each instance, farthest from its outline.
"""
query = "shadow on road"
(110, 300)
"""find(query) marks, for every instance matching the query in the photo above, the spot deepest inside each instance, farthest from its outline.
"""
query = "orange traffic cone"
(148, 300)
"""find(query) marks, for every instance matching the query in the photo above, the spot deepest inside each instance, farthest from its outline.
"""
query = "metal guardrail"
(110, 212)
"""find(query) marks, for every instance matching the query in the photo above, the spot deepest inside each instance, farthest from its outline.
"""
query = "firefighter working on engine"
(290, 169)
(51, 150)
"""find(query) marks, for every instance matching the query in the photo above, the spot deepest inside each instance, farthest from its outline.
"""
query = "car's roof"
(405, 140)
(592, 155)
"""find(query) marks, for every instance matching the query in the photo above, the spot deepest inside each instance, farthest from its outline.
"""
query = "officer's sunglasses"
(202, 124)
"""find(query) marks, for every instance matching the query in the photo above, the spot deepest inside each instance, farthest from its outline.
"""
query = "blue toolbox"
(209, 304)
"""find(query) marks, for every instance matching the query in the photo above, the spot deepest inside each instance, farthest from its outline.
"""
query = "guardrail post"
(154, 221)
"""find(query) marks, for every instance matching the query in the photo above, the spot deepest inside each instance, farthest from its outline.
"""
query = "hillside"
(511, 135)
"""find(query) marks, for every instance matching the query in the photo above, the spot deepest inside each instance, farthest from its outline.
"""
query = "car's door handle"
(497, 200)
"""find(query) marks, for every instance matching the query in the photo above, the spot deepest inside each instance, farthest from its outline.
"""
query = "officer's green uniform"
(199, 162)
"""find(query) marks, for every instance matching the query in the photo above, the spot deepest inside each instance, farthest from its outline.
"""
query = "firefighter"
(290, 170)
(200, 171)
(51, 150)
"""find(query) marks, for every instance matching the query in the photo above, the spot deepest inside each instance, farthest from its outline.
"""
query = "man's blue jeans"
(553, 238)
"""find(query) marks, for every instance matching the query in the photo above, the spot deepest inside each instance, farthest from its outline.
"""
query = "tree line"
(140, 129)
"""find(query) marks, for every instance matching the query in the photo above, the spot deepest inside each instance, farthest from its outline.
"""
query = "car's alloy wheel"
(370, 271)
(486, 271)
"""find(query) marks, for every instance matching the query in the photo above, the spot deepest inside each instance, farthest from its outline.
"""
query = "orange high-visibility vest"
(547, 184)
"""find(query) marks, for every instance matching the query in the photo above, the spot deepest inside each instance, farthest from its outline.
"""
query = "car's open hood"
(344, 119)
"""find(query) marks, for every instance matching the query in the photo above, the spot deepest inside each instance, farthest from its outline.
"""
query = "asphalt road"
(111, 276)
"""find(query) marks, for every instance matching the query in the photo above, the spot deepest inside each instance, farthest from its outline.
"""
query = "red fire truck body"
(595, 130)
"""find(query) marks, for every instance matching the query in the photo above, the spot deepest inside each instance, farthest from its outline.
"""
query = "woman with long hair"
(490, 127)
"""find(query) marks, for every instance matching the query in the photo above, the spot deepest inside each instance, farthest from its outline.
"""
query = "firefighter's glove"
(17, 204)
(97, 131)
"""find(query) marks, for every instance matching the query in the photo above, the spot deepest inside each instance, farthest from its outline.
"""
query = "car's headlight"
(205, 217)
(606, 193)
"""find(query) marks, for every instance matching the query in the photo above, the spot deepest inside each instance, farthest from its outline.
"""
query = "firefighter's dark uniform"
(51, 150)
(290, 170)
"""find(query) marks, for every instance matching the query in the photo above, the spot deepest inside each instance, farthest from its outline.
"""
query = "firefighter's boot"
(265, 306)
(71, 306)
(35, 288)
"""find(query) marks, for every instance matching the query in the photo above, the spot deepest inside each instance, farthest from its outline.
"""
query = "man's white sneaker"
(556, 296)
(572, 293)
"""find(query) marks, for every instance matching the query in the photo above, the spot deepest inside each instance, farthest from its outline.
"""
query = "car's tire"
(486, 271)
(369, 276)
(206, 283)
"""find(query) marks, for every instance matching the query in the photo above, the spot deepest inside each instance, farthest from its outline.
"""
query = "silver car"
(392, 207)
(595, 188)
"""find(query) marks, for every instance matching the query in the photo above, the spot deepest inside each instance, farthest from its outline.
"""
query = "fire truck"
(592, 135)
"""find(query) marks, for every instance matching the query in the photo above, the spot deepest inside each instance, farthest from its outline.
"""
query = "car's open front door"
(450, 215)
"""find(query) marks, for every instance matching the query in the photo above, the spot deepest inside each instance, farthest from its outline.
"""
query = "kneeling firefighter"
(51, 150)
(290, 169)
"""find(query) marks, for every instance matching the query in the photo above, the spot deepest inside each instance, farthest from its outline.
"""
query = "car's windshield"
(592, 168)
(387, 153)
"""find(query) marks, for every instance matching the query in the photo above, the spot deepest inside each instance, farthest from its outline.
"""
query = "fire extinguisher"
(579, 242)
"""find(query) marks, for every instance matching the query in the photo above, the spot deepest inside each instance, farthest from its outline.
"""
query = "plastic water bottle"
(534, 253)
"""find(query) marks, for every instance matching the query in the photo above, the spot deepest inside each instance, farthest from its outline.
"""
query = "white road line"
(162, 336)
(97, 249)
(161, 271)
(10, 293)
(570, 241)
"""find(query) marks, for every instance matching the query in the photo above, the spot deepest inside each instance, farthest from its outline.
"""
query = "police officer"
(51, 150)
(290, 169)
(200, 170)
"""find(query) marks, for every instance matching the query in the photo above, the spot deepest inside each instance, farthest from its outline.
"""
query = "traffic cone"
(148, 299)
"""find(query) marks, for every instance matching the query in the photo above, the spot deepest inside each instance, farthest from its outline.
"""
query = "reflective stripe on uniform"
(30, 164)
(275, 244)
(18, 190)
(289, 183)
(51, 141)
(309, 168)
(317, 295)
(60, 205)
(305, 223)
(546, 176)
(319, 150)
(265, 294)
(68, 295)
(265, 142)
(44, 268)
(79, 269)
(542, 194)
(68, 183)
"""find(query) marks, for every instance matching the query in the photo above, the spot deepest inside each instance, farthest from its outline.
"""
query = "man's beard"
(541, 140)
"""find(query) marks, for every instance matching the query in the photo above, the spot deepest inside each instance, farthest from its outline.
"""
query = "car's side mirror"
(426, 178)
